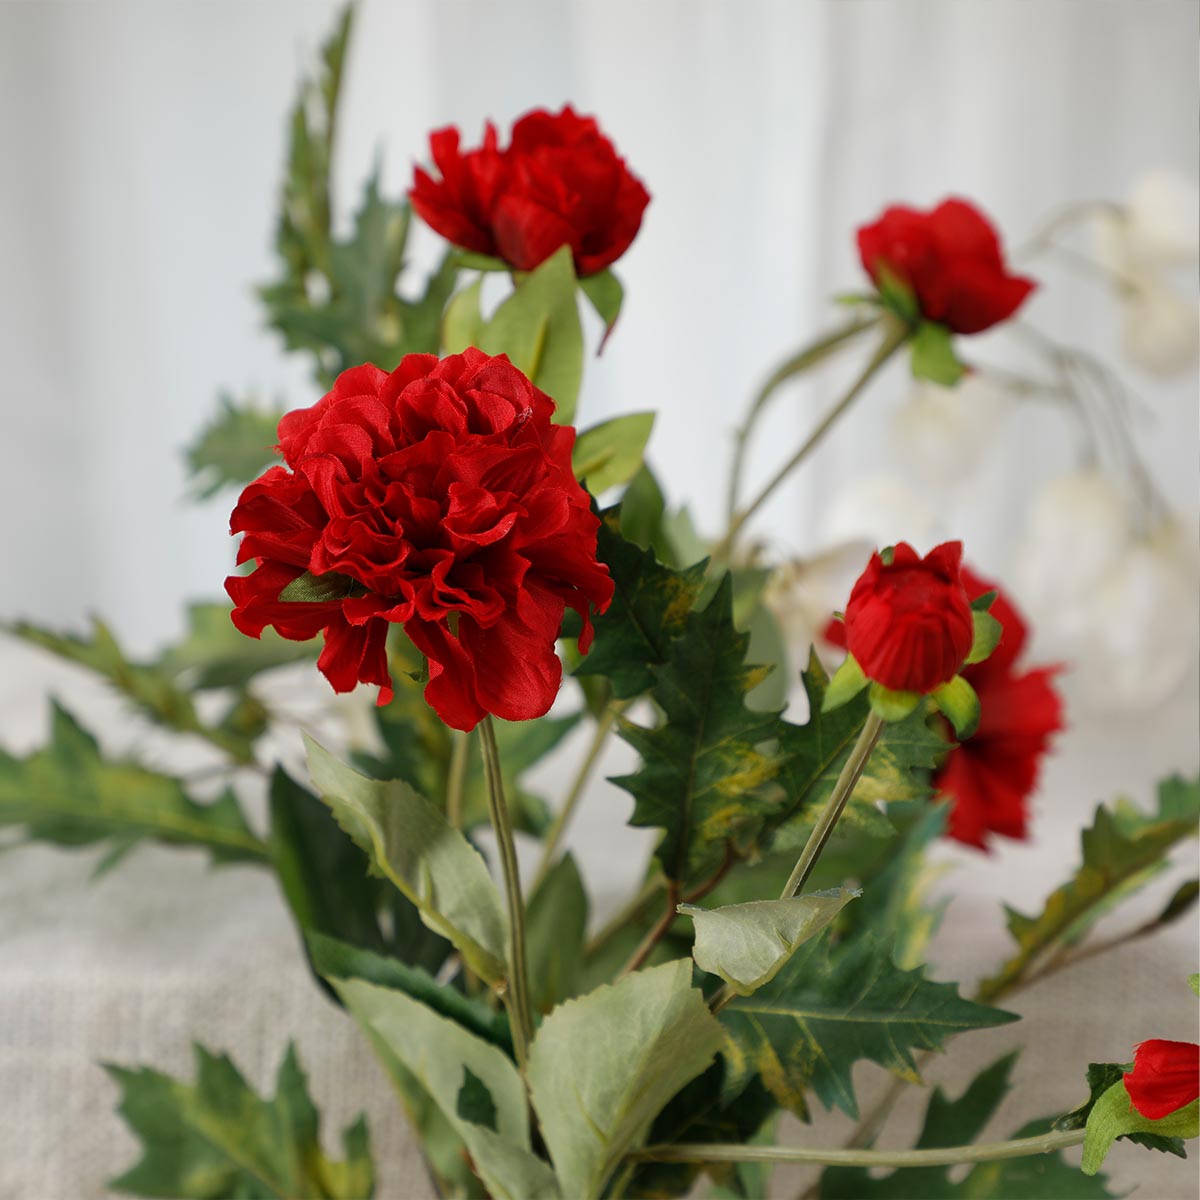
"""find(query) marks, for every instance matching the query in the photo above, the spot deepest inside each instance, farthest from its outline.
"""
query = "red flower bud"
(1165, 1077)
(951, 260)
(909, 623)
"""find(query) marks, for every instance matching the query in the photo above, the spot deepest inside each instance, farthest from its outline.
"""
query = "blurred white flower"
(1163, 221)
(1161, 328)
(943, 433)
(803, 592)
(879, 510)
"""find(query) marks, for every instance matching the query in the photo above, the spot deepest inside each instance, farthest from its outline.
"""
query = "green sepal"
(469, 260)
(1194, 983)
(848, 680)
(984, 603)
(1113, 1116)
(317, 589)
(959, 704)
(933, 356)
(892, 706)
(988, 632)
(896, 295)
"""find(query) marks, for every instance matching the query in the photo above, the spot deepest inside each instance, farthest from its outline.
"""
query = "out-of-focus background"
(142, 145)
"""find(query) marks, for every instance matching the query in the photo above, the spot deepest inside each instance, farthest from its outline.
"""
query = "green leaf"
(442, 1057)
(831, 1006)
(215, 654)
(469, 260)
(848, 680)
(606, 295)
(152, 687)
(610, 453)
(933, 356)
(959, 1122)
(70, 794)
(641, 514)
(811, 757)
(233, 448)
(748, 944)
(317, 589)
(959, 704)
(556, 922)
(702, 768)
(650, 608)
(474, 1102)
(1120, 849)
(1194, 983)
(988, 632)
(462, 322)
(217, 1137)
(601, 1067)
(538, 328)
(1114, 1116)
(410, 842)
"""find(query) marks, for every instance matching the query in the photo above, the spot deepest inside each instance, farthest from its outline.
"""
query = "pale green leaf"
(848, 680)
(410, 842)
(606, 294)
(602, 1066)
(933, 356)
(1114, 1116)
(556, 922)
(234, 447)
(462, 322)
(610, 453)
(747, 944)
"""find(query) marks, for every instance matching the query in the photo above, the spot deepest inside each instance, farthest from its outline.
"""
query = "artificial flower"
(1165, 1077)
(439, 497)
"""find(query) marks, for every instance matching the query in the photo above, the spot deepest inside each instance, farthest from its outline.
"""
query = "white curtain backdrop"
(141, 148)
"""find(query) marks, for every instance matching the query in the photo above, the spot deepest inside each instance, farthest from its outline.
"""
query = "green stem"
(457, 777)
(895, 335)
(810, 356)
(516, 996)
(555, 835)
(843, 789)
(942, 1156)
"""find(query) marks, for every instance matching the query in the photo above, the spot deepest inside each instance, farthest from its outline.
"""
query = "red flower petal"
(1165, 1077)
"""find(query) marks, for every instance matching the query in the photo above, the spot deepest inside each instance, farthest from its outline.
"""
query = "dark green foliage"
(233, 448)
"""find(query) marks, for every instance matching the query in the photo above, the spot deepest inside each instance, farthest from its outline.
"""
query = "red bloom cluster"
(1165, 1077)
(558, 183)
(908, 622)
(441, 497)
(950, 258)
(989, 777)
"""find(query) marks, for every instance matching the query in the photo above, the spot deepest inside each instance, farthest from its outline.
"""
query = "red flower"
(989, 777)
(950, 258)
(908, 622)
(559, 183)
(439, 497)
(1165, 1077)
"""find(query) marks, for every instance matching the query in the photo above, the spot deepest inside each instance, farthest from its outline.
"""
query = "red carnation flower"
(950, 258)
(439, 497)
(989, 777)
(909, 623)
(559, 182)
(1165, 1077)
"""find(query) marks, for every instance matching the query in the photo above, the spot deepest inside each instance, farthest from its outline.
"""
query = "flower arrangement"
(436, 529)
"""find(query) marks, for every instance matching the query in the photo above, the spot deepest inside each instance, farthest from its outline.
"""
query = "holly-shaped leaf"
(218, 1137)
(1122, 848)
(959, 1122)
(234, 447)
(650, 607)
(702, 768)
(831, 1006)
(71, 794)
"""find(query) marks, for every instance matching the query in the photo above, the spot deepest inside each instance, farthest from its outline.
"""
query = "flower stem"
(810, 356)
(554, 837)
(843, 789)
(941, 1156)
(656, 933)
(457, 777)
(895, 335)
(517, 994)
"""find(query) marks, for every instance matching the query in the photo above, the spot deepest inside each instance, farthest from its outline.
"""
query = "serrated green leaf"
(538, 328)
(439, 1055)
(959, 1122)
(702, 769)
(556, 922)
(71, 794)
(233, 448)
(610, 453)
(650, 607)
(959, 704)
(1113, 1116)
(602, 1066)
(1120, 847)
(151, 686)
(410, 842)
(748, 944)
(831, 1006)
(933, 355)
(217, 1137)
